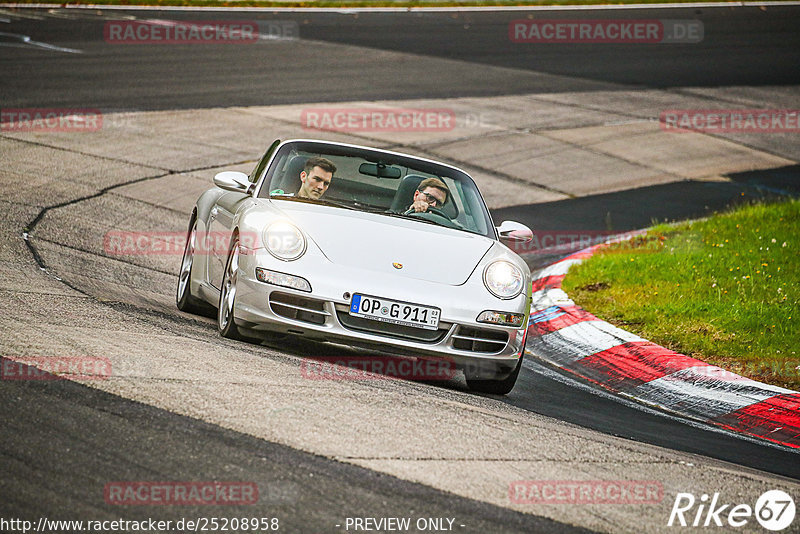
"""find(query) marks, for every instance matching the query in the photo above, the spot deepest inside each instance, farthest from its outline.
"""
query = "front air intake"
(479, 339)
(298, 308)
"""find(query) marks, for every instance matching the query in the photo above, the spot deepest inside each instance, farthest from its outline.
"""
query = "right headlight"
(284, 240)
(503, 279)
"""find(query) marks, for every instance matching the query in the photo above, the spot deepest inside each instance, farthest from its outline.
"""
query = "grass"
(723, 290)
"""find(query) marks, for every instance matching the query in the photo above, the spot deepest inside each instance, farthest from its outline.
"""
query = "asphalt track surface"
(74, 439)
(743, 46)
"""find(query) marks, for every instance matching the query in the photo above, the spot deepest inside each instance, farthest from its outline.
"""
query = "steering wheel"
(435, 215)
(432, 210)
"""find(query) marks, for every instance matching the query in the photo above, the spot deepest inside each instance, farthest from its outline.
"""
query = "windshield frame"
(373, 155)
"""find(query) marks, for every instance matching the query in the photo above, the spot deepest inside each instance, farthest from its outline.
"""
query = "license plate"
(395, 312)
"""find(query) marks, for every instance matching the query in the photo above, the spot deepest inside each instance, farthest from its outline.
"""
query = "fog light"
(282, 279)
(501, 318)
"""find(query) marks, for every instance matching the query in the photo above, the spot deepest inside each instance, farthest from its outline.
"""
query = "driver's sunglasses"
(430, 199)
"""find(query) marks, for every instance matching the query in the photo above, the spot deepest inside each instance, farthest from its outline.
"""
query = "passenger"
(431, 193)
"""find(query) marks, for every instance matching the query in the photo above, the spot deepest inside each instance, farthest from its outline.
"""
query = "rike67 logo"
(774, 510)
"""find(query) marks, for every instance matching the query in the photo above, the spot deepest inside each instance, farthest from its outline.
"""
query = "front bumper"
(491, 351)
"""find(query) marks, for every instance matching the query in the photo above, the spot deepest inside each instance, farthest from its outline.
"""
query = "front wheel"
(495, 387)
(227, 296)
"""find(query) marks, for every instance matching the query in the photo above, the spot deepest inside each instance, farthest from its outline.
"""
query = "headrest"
(290, 181)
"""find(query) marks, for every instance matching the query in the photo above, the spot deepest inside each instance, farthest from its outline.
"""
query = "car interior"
(389, 188)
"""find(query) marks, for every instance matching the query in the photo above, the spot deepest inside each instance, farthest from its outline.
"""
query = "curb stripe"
(724, 378)
(565, 316)
(576, 341)
(559, 268)
(758, 419)
(700, 395)
(549, 297)
(548, 282)
(630, 365)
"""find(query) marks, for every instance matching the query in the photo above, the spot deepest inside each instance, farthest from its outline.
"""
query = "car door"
(220, 222)
(220, 225)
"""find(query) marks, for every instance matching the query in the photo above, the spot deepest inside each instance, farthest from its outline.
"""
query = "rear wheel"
(185, 300)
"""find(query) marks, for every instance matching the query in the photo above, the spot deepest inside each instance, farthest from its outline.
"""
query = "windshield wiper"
(369, 208)
(410, 218)
(357, 206)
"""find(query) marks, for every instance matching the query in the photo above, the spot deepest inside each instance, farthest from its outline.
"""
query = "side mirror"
(514, 232)
(233, 181)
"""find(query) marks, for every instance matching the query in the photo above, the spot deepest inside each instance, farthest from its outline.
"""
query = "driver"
(316, 177)
(431, 193)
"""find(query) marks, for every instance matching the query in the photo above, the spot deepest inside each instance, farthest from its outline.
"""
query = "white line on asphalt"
(26, 40)
(20, 14)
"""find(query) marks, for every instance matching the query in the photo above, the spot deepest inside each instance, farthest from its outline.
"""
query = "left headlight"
(503, 279)
(284, 240)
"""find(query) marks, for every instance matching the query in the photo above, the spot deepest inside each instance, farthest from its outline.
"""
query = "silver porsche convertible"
(365, 247)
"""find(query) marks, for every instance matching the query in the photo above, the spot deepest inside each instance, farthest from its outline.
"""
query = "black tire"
(184, 299)
(495, 387)
(227, 297)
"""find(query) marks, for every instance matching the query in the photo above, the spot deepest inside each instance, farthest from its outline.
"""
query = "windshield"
(377, 182)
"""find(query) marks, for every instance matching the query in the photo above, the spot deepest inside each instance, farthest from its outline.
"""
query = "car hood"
(380, 243)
